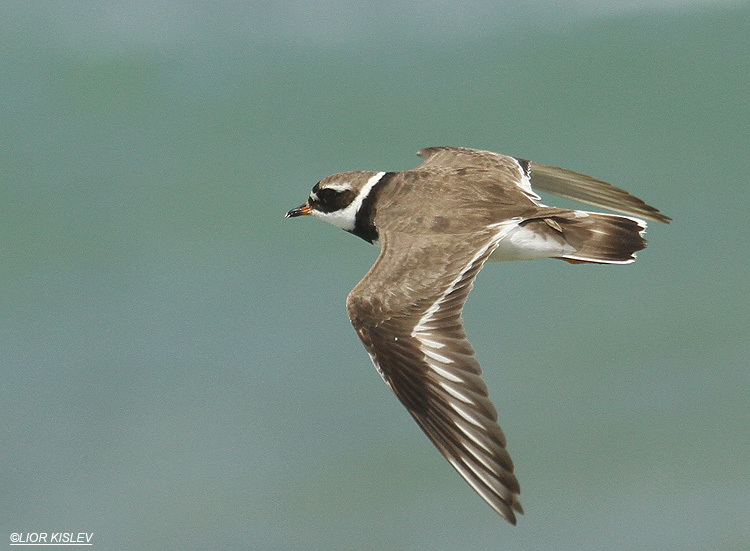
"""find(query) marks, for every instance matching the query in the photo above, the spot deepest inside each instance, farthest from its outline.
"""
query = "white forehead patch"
(339, 187)
(335, 187)
(346, 218)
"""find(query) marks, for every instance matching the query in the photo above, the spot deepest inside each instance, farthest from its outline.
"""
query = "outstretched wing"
(410, 323)
(550, 179)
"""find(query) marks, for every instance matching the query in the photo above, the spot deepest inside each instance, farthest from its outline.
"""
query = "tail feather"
(595, 237)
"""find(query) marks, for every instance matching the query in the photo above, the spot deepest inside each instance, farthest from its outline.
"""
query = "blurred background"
(178, 370)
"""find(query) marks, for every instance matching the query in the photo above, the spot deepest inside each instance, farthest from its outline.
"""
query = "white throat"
(346, 218)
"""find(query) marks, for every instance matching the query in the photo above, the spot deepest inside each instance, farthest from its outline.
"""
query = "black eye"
(327, 194)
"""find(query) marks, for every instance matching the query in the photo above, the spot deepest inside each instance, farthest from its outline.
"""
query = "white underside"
(521, 243)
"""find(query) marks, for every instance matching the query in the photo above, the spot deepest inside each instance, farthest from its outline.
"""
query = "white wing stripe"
(425, 322)
(431, 343)
(525, 183)
(453, 391)
(468, 415)
(445, 374)
(470, 431)
(480, 456)
(430, 353)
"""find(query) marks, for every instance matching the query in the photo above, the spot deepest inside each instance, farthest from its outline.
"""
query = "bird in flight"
(436, 226)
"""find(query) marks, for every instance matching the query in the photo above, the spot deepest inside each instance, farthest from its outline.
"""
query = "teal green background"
(178, 370)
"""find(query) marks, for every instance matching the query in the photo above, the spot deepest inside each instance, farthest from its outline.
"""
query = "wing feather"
(419, 346)
(550, 179)
(592, 191)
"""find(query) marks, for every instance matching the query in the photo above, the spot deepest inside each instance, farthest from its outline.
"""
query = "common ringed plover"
(436, 226)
